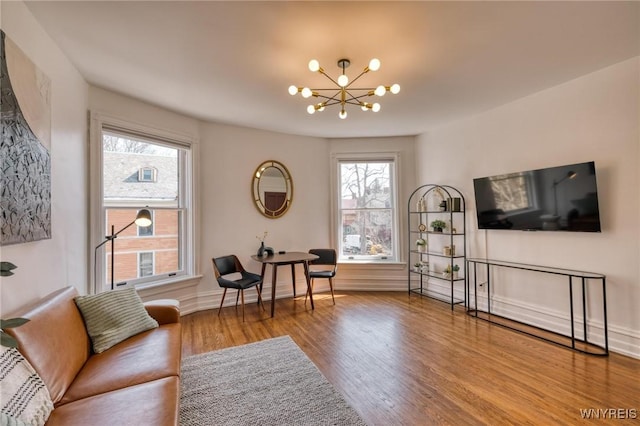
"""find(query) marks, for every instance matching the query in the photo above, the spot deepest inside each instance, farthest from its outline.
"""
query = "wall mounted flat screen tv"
(561, 198)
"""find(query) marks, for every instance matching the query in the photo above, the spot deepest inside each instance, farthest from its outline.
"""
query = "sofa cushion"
(23, 395)
(114, 316)
(150, 355)
(152, 403)
(55, 340)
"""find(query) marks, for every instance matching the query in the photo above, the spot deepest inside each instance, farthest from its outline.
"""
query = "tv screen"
(561, 198)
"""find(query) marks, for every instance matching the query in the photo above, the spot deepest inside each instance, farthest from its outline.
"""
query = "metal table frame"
(471, 264)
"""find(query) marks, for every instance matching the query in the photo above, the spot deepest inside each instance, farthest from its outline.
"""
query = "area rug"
(271, 382)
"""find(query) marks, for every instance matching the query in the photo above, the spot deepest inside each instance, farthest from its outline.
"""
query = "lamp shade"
(143, 218)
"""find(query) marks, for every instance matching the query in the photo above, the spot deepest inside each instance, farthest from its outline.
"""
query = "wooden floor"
(409, 360)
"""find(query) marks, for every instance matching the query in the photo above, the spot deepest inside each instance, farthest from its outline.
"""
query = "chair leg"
(331, 286)
(224, 293)
(260, 298)
(242, 297)
(237, 297)
(307, 293)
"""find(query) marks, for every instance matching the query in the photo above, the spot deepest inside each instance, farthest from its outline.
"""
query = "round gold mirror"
(272, 189)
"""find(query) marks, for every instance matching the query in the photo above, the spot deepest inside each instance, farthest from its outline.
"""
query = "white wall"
(230, 220)
(44, 266)
(595, 117)
(371, 276)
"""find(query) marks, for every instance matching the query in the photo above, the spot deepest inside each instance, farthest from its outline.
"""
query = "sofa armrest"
(165, 311)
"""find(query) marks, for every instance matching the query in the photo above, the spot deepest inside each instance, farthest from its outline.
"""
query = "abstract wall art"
(25, 163)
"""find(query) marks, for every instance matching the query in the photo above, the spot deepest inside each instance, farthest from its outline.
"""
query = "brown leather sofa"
(136, 382)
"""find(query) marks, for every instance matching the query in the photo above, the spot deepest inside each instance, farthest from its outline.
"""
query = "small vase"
(422, 248)
(261, 251)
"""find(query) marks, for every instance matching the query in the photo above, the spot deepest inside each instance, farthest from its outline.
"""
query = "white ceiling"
(233, 61)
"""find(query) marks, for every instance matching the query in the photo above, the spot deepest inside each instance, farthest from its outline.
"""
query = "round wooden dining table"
(289, 258)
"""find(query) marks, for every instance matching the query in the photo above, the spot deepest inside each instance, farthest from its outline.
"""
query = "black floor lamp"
(143, 219)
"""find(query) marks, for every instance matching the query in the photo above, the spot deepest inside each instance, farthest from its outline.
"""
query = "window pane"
(367, 210)
(375, 225)
(365, 185)
(164, 244)
(124, 158)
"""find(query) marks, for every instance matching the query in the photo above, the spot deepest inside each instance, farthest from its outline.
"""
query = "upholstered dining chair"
(327, 258)
(227, 265)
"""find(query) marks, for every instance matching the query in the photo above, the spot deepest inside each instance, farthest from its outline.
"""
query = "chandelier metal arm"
(344, 93)
(366, 70)
(321, 71)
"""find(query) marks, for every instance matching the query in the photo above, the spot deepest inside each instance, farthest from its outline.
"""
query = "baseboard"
(621, 340)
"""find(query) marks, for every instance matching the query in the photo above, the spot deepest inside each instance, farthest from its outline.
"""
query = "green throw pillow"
(114, 316)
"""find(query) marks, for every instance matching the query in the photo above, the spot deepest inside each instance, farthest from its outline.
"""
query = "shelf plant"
(451, 271)
(421, 243)
(438, 225)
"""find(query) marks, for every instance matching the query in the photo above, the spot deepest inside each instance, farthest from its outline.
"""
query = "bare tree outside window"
(366, 208)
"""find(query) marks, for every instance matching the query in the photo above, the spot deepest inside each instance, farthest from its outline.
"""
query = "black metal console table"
(573, 342)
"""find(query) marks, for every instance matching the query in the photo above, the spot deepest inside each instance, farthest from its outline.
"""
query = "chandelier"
(344, 93)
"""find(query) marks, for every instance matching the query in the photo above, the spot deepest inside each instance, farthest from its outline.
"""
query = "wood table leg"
(306, 274)
(293, 278)
(264, 266)
(273, 288)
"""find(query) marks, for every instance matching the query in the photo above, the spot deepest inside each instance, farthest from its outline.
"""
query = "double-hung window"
(140, 170)
(367, 209)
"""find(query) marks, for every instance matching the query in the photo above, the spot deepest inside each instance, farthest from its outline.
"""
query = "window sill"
(372, 264)
(174, 283)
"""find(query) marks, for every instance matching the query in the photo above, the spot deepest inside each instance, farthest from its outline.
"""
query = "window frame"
(153, 263)
(101, 122)
(152, 178)
(336, 200)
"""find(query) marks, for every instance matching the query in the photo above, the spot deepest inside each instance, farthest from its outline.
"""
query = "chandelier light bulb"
(344, 91)
(314, 65)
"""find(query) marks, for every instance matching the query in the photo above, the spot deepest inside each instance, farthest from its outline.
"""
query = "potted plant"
(422, 245)
(451, 272)
(417, 267)
(6, 270)
(438, 225)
